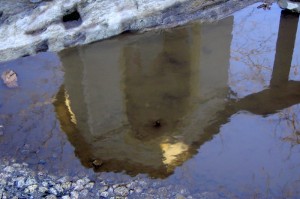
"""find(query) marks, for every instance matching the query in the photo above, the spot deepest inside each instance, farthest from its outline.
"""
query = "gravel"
(17, 180)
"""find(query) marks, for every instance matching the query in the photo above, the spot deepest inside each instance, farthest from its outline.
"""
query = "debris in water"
(265, 6)
(97, 163)
(157, 124)
(10, 78)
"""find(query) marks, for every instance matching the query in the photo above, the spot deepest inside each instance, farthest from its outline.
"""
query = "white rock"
(59, 188)
(138, 189)
(65, 197)
(104, 188)
(53, 191)
(39, 29)
(84, 193)
(32, 188)
(43, 189)
(63, 179)
(8, 169)
(74, 195)
(89, 185)
(121, 191)
(20, 182)
(45, 184)
(30, 181)
(66, 185)
(51, 197)
(104, 194)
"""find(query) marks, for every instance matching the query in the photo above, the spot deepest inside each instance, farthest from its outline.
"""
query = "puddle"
(213, 107)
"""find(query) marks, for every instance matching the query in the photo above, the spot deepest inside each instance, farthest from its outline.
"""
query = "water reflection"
(146, 103)
(133, 102)
(215, 105)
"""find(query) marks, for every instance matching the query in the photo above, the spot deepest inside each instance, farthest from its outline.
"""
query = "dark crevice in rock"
(72, 19)
(1, 13)
(36, 32)
(42, 46)
(25, 55)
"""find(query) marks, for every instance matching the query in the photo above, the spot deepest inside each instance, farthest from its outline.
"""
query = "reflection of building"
(146, 103)
(133, 103)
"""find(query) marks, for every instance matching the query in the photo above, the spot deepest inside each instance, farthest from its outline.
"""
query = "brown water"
(212, 107)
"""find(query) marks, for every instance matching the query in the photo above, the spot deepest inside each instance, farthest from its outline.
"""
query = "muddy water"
(213, 107)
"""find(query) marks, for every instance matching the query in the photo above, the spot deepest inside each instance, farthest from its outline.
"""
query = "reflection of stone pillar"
(103, 88)
(95, 89)
(214, 58)
(285, 47)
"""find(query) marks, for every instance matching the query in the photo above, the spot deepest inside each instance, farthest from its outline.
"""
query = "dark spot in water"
(42, 46)
(97, 163)
(157, 124)
(72, 19)
(1, 13)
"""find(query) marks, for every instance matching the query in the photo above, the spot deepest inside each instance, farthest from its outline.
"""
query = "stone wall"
(28, 27)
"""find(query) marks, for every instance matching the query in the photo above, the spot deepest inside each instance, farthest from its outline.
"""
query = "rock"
(138, 189)
(104, 194)
(59, 188)
(291, 5)
(10, 78)
(66, 185)
(43, 189)
(45, 184)
(36, 26)
(84, 193)
(8, 169)
(79, 185)
(121, 191)
(110, 190)
(63, 180)
(53, 191)
(104, 188)
(51, 197)
(20, 182)
(30, 181)
(65, 197)
(89, 185)
(32, 188)
(74, 195)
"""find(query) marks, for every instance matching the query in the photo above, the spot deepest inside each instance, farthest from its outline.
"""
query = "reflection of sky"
(253, 49)
(295, 69)
(252, 154)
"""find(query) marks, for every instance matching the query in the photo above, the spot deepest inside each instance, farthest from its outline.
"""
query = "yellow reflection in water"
(172, 151)
(68, 104)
